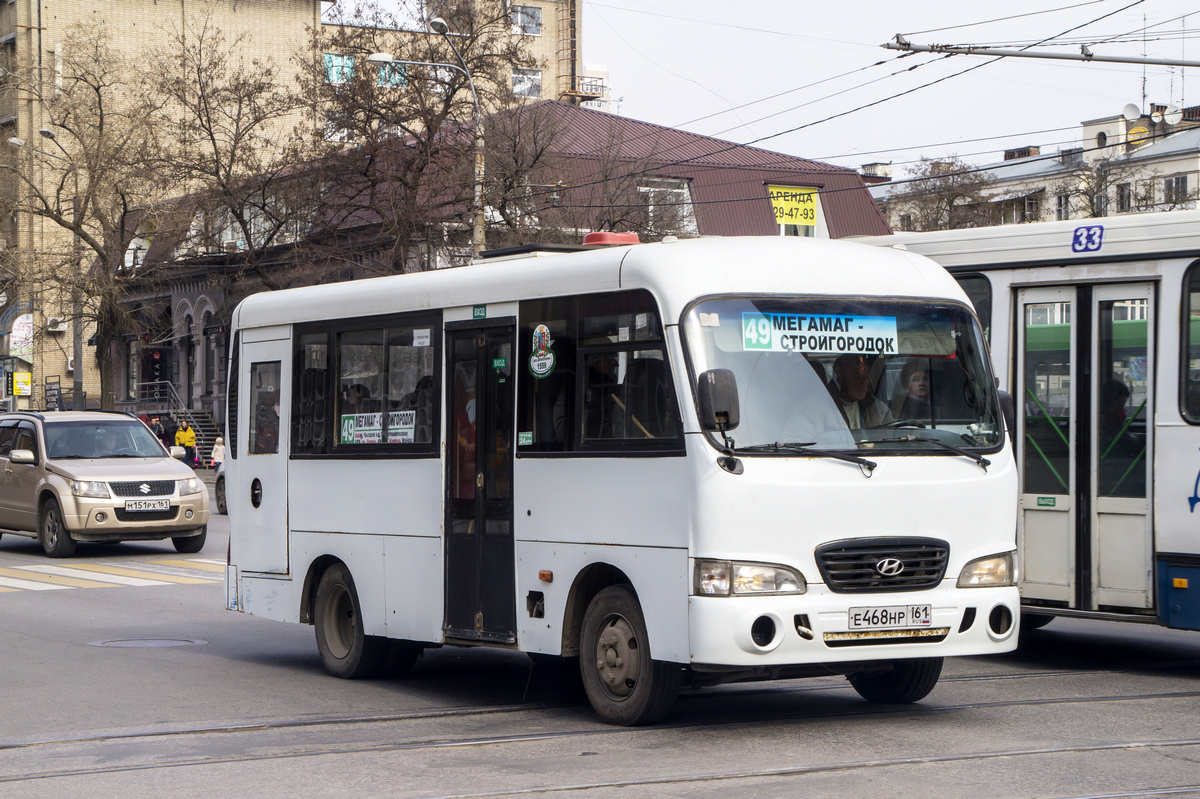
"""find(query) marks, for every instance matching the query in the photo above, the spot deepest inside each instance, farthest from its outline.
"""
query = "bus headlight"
(189, 486)
(725, 578)
(89, 488)
(994, 570)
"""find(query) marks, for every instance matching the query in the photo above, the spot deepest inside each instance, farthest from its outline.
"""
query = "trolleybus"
(682, 463)
(1095, 329)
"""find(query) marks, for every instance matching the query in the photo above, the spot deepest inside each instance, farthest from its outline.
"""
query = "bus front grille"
(882, 565)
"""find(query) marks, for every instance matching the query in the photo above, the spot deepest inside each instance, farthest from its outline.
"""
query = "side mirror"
(22, 456)
(717, 398)
(178, 453)
(1009, 411)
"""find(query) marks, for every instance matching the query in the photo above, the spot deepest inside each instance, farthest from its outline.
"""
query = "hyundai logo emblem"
(890, 567)
(144, 488)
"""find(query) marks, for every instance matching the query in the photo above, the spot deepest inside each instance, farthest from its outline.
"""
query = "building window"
(1062, 206)
(1033, 209)
(906, 222)
(1124, 198)
(338, 68)
(527, 20)
(1175, 190)
(668, 205)
(527, 82)
(391, 76)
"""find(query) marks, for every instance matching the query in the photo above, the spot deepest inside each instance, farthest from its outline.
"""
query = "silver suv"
(69, 476)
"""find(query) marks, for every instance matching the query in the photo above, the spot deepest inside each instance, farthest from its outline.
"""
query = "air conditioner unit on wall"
(56, 325)
(70, 364)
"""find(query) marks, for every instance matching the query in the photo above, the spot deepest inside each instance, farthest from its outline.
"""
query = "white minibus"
(1095, 329)
(689, 462)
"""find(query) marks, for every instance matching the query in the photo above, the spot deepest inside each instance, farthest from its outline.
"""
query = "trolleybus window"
(1191, 350)
(979, 290)
(848, 374)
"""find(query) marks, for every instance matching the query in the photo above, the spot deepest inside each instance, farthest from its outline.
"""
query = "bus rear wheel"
(345, 649)
(624, 685)
(908, 681)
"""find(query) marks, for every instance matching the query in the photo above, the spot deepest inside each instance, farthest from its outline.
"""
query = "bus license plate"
(147, 504)
(891, 617)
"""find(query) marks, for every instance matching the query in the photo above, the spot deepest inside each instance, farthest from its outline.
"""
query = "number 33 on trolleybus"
(1095, 330)
(690, 462)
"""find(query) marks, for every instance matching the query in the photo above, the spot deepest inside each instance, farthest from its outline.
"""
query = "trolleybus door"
(258, 497)
(1085, 362)
(480, 568)
(1121, 540)
(1046, 373)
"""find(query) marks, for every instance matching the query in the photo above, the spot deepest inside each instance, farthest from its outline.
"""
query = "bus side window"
(1190, 400)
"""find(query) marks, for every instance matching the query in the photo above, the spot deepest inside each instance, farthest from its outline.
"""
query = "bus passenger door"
(480, 568)
(258, 497)
(1085, 362)
(1121, 540)
(1046, 375)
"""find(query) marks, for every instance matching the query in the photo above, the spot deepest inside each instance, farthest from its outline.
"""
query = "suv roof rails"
(34, 414)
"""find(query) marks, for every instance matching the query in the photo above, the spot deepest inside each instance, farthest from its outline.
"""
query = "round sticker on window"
(541, 363)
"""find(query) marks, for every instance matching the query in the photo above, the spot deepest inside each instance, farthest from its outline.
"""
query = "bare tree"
(399, 136)
(89, 178)
(240, 153)
(1095, 188)
(943, 194)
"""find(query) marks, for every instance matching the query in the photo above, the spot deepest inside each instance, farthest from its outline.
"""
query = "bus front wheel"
(908, 681)
(345, 650)
(624, 685)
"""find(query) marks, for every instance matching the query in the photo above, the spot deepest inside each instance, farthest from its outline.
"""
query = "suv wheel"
(191, 543)
(55, 537)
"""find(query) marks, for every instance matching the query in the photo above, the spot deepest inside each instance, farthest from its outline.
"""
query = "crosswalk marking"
(203, 565)
(62, 581)
(29, 585)
(109, 574)
(104, 575)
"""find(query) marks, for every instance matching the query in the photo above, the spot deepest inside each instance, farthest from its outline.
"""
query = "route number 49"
(1088, 239)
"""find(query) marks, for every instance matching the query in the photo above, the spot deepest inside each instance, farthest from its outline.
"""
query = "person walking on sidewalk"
(186, 437)
(218, 453)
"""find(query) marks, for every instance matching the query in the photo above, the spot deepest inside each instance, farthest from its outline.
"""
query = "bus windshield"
(849, 374)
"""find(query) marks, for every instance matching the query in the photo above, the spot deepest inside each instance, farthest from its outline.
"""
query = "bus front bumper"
(823, 627)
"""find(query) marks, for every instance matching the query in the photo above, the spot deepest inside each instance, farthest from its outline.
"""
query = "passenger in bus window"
(851, 389)
(912, 401)
(1120, 449)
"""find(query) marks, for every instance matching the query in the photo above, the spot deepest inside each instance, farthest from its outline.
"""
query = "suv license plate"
(890, 617)
(147, 504)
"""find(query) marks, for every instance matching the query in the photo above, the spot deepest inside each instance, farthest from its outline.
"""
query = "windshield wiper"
(804, 448)
(982, 461)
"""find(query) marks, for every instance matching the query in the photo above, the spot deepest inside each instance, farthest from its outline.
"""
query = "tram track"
(449, 742)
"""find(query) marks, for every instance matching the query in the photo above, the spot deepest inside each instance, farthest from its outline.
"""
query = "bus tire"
(1035, 621)
(53, 533)
(622, 683)
(908, 681)
(192, 543)
(346, 650)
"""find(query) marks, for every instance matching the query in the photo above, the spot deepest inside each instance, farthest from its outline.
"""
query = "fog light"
(1000, 620)
(101, 516)
(762, 632)
(187, 514)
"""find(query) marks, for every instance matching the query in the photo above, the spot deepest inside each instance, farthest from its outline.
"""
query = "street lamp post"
(77, 400)
(439, 26)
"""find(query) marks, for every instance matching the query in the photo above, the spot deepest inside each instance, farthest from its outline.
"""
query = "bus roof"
(676, 272)
(1126, 237)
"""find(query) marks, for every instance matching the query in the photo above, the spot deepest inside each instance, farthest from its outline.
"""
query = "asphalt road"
(153, 689)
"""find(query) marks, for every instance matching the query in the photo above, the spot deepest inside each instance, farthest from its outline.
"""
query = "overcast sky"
(752, 70)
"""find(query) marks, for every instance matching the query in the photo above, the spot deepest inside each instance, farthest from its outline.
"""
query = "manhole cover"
(143, 643)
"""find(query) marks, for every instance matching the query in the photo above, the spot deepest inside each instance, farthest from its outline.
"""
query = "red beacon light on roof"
(607, 238)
